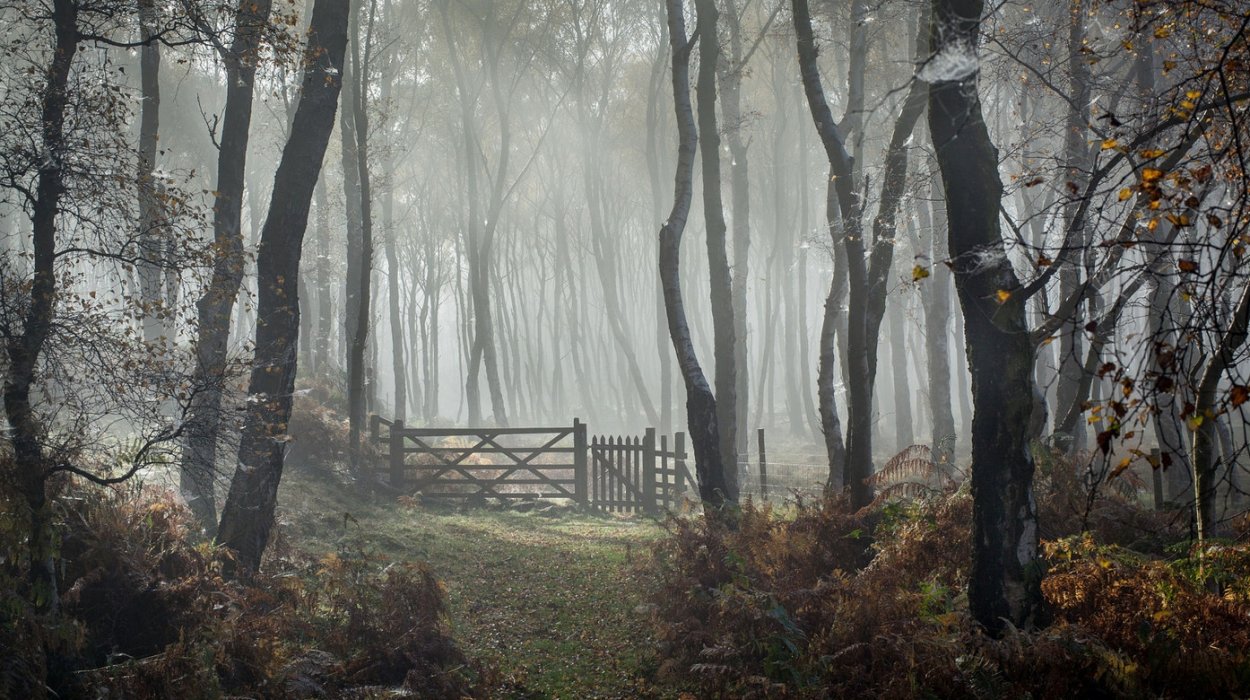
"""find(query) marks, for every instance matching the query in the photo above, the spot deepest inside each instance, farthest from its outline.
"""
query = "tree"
(701, 412)
(866, 271)
(214, 307)
(247, 517)
(358, 186)
(67, 157)
(725, 348)
(1004, 582)
(24, 346)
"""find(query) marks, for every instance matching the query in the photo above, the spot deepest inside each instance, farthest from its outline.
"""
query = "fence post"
(763, 467)
(396, 449)
(581, 474)
(679, 461)
(648, 473)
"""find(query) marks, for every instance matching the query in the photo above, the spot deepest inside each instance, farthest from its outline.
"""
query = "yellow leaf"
(1163, 31)
(1152, 153)
(1149, 175)
(1193, 94)
(1108, 144)
(1003, 295)
(1194, 421)
(919, 272)
(1125, 194)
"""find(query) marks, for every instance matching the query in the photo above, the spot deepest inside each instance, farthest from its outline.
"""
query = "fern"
(909, 475)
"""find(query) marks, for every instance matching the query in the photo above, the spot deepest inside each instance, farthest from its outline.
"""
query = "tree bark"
(1004, 582)
(724, 346)
(248, 515)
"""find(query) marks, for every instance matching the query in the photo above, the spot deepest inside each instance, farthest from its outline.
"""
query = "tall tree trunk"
(214, 308)
(325, 295)
(813, 418)
(24, 348)
(356, 101)
(1004, 582)
(151, 238)
(903, 433)
(248, 514)
(1077, 165)
(1205, 446)
(398, 366)
(937, 319)
(701, 413)
(740, 199)
(653, 177)
(724, 345)
(841, 208)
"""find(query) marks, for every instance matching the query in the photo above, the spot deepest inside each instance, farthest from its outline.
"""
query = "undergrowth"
(818, 601)
(147, 614)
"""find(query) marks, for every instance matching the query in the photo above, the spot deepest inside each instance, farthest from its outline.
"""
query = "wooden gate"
(505, 463)
(611, 474)
(634, 474)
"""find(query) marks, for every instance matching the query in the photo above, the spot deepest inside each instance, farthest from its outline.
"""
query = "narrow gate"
(634, 474)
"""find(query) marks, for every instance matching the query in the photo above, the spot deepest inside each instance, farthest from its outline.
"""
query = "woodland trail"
(549, 600)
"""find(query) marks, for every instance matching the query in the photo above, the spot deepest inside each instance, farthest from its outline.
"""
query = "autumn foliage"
(147, 614)
(819, 601)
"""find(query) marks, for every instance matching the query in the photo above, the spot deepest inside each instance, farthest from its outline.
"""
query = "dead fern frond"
(909, 475)
(914, 463)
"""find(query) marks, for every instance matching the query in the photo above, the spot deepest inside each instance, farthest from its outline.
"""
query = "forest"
(624, 348)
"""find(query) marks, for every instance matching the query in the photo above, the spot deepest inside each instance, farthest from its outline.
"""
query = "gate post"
(396, 449)
(648, 473)
(581, 474)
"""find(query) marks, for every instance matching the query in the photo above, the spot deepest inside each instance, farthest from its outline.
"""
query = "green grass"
(550, 601)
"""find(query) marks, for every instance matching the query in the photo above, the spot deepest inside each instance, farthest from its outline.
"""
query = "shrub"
(823, 602)
(147, 614)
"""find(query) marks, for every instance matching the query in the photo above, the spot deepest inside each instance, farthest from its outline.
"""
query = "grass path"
(549, 601)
